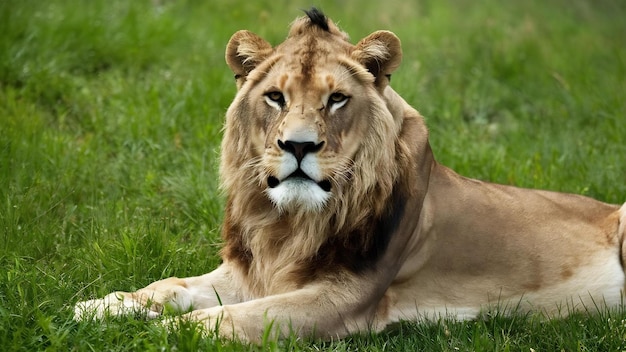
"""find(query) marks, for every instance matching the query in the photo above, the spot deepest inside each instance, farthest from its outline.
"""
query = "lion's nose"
(299, 149)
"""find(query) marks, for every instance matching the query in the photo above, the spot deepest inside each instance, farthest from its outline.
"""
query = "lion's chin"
(297, 193)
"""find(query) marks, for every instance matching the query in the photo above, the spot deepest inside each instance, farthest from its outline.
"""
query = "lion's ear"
(245, 50)
(381, 53)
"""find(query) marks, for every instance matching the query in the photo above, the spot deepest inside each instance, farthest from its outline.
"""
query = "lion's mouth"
(273, 182)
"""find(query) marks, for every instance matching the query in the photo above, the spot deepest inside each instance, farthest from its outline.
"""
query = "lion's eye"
(336, 101)
(337, 98)
(275, 98)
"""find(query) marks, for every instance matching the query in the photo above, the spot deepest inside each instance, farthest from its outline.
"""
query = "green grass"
(110, 119)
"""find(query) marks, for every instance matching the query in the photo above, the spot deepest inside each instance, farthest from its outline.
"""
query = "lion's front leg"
(171, 295)
(319, 311)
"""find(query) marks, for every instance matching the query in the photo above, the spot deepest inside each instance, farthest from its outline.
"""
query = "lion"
(339, 220)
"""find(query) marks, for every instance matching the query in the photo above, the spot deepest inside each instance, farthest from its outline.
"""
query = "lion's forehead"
(310, 63)
(308, 55)
(321, 82)
(314, 48)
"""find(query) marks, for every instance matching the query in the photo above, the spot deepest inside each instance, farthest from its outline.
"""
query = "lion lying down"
(338, 218)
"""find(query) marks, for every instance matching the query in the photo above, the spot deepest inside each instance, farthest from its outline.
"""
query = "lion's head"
(317, 152)
(309, 127)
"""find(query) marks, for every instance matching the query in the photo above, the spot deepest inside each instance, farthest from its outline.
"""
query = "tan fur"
(370, 229)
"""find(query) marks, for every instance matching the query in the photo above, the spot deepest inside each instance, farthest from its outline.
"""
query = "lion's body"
(544, 251)
(338, 218)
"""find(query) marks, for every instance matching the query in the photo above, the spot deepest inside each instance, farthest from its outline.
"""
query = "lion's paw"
(113, 304)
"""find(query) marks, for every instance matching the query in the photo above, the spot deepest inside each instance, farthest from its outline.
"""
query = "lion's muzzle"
(300, 182)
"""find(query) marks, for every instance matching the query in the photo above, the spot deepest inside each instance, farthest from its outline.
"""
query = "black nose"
(299, 149)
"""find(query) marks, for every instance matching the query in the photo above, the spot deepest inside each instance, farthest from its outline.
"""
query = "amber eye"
(337, 98)
(276, 97)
